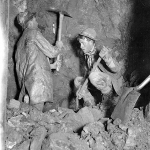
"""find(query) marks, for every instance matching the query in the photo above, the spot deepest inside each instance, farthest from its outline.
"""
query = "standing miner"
(103, 78)
(32, 62)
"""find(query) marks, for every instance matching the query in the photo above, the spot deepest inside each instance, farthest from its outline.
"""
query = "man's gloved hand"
(59, 44)
(78, 81)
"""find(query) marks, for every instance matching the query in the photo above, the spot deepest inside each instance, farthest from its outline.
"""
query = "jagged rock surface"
(64, 129)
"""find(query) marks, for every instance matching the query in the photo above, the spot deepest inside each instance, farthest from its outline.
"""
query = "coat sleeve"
(112, 64)
(48, 49)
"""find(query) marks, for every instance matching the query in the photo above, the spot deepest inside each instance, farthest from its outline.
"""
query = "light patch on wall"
(4, 23)
(2, 56)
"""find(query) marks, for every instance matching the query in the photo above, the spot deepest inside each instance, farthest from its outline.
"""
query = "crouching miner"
(105, 75)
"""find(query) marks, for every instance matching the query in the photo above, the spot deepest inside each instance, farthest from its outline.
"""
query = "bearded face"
(22, 17)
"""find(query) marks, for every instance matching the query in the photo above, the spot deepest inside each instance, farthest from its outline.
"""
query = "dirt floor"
(63, 129)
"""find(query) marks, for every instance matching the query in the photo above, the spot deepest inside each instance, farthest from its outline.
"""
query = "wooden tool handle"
(146, 81)
(79, 92)
(61, 16)
(86, 81)
(96, 64)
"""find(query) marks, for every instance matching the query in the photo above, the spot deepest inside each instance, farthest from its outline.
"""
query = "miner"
(32, 62)
(103, 78)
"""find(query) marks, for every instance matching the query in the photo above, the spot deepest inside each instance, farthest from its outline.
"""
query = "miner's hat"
(89, 33)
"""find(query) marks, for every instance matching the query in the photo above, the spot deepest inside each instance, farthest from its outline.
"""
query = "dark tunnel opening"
(139, 48)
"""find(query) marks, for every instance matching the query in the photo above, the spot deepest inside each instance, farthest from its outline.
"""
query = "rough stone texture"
(13, 36)
(38, 137)
(135, 135)
(58, 130)
(24, 146)
(68, 71)
(14, 104)
(65, 141)
(117, 135)
(138, 131)
(96, 136)
(13, 137)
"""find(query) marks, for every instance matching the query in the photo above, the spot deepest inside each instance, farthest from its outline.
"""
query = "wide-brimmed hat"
(24, 17)
(89, 33)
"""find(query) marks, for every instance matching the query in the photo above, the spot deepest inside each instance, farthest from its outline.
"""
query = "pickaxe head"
(52, 9)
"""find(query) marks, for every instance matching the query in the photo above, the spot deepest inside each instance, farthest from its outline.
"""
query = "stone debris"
(14, 104)
(24, 146)
(38, 135)
(117, 135)
(13, 137)
(65, 141)
(65, 129)
(96, 136)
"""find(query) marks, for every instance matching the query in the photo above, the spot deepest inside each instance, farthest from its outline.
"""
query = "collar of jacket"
(92, 51)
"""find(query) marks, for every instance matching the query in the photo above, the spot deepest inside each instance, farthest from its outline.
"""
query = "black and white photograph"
(75, 75)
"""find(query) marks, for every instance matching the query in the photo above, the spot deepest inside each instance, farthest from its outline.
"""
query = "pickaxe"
(62, 13)
(61, 16)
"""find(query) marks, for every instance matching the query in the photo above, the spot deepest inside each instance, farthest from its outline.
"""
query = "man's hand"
(56, 65)
(80, 93)
(78, 81)
(59, 44)
(53, 66)
(104, 52)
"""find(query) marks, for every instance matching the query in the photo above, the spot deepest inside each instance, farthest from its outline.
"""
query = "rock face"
(109, 18)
